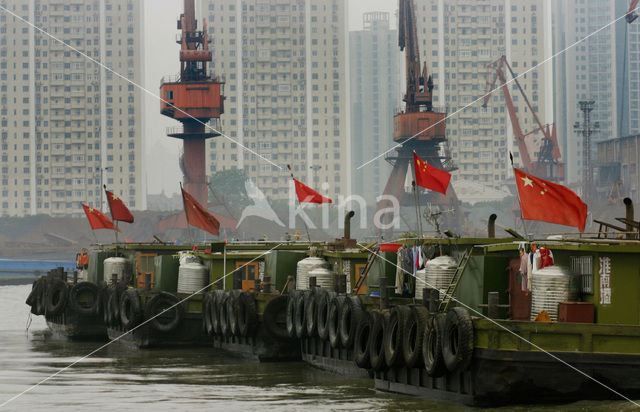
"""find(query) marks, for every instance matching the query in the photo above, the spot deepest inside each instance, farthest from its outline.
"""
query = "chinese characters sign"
(605, 280)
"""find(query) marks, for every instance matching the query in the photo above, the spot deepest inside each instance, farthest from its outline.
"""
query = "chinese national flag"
(308, 195)
(198, 216)
(118, 210)
(549, 202)
(97, 219)
(430, 177)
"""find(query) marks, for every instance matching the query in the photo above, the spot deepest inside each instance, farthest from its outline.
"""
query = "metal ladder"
(370, 260)
(451, 289)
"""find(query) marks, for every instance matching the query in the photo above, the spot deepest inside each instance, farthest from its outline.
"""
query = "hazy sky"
(161, 58)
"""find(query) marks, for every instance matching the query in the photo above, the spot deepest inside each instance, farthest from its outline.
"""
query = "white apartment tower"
(285, 70)
(458, 38)
(374, 61)
(69, 125)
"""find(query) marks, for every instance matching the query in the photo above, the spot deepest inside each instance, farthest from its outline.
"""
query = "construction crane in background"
(540, 155)
(631, 14)
(418, 128)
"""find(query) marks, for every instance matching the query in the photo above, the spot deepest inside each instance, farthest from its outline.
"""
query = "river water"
(178, 379)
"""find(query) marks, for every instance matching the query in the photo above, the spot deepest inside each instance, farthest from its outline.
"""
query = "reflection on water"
(177, 379)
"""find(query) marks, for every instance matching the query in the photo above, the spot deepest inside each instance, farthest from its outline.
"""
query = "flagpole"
(524, 226)
(115, 226)
(299, 204)
(415, 197)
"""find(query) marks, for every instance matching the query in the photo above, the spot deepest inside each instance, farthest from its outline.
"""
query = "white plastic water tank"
(304, 267)
(115, 265)
(437, 273)
(325, 278)
(192, 277)
(550, 286)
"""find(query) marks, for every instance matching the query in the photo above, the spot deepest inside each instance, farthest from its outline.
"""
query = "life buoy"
(413, 335)
(394, 336)
(164, 311)
(130, 309)
(432, 346)
(291, 314)
(376, 342)
(350, 316)
(322, 313)
(333, 321)
(84, 298)
(301, 324)
(457, 340)
(361, 341)
(57, 296)
(274, 317)
(247, 314)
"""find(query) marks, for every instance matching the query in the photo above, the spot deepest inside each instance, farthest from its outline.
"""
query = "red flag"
(549, 202)
(198, 216)
(430, 177)
(97, 219)
(118, 210)
(308, 195)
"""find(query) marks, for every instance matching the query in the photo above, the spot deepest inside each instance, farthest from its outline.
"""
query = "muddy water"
(177, 379)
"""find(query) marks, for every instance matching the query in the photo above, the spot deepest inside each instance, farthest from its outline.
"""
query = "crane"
(419, 128)
(546, 153)
(631, 14)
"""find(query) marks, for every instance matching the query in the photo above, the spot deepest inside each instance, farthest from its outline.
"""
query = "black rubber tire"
(333, 321)
(112, 320)
(291, 314)
(31, 299)
(322, 310)
(300, 318)
(93, 306)
(232, 312)
(376, 340)
(413, 335)
(457, 340)
(350, 316)
(221, 303)
(311, 314)
(432, 346)
(130, 309)
(247, 314)
(169, 320)
(36, 297)
(207, 325)
(115, 304)
(57, 297)
(41, 302)
(362, 341)
(394, 334)
(215, 308)
(103, 300)
(274, 315)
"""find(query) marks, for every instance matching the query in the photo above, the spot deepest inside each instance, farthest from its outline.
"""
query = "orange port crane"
(540, 156)
(193, 99)
(418, 128)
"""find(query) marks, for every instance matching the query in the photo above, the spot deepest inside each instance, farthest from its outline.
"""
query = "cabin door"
(145, 265)
(249, 272)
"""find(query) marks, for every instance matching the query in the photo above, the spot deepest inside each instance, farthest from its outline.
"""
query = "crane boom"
(546, 164)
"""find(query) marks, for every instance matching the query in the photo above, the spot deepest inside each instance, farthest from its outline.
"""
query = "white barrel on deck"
(114, 265)
(192, 277)
(437, 274)
(304, 267)
(550, 286)
(325, 278)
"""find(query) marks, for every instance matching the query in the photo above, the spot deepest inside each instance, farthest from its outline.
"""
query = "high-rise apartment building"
(69, 125)
(603, 68)
(458, 38)
(286, 91)
(374, 61)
